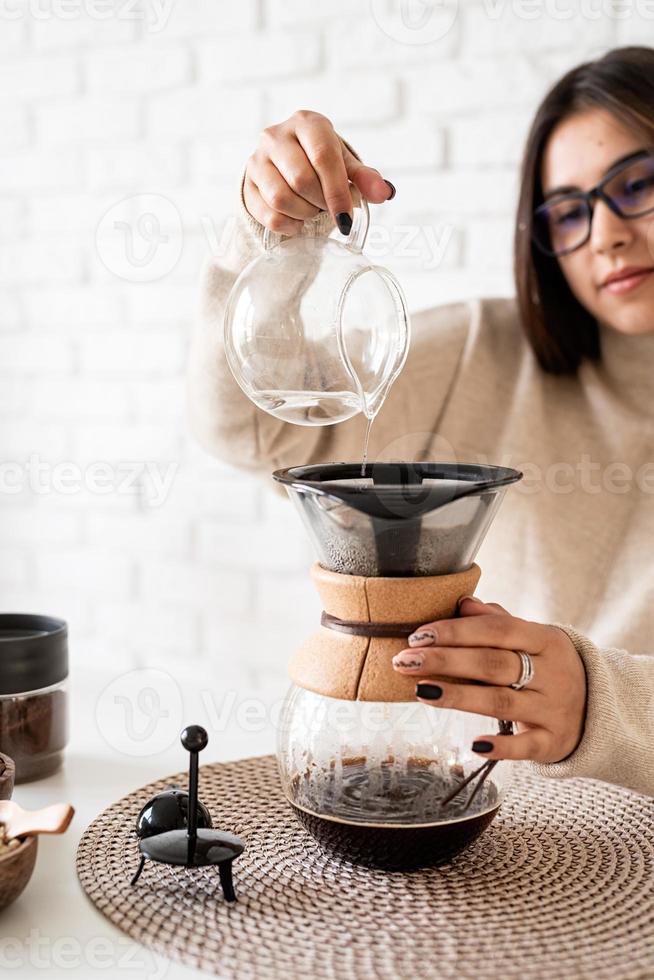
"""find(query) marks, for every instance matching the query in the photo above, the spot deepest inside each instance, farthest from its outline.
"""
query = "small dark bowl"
(7, 776)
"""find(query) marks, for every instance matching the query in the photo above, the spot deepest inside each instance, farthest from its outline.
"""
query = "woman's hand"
(301, 167)
(481, 645)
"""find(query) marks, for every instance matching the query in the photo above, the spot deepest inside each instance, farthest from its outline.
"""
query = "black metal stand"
(193, 847)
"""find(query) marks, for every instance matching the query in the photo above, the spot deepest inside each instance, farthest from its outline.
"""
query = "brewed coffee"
(389, 817)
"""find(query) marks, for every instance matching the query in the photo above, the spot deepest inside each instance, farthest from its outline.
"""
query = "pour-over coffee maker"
(376, 776)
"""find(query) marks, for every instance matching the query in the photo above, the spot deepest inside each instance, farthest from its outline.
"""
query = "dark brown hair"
(560, 330)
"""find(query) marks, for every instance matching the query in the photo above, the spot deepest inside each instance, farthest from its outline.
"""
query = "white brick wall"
(167, 99)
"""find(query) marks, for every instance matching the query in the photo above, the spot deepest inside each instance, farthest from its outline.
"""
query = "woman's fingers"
(276, 193)
(323, 148)
(495, 702)
(535, 744)
(300, 167)
(295, 167)
(480, 645)
(488, 664)
(273, 220)
(466, 606)
(469, 606)
(491, 629)
(368, 180)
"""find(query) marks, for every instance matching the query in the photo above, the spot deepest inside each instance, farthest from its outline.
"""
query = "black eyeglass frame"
(589, 198)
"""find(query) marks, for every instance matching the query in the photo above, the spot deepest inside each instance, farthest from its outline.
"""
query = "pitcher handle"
(371, 401)
(403, 341)
(403, 317)
(354, 241)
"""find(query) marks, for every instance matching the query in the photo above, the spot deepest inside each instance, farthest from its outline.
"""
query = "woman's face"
(580, 150)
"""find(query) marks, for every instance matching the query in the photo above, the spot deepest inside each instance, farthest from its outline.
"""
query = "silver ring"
(526, 671)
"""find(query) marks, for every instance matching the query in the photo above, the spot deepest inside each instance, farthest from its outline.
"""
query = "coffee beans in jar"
(33, 693)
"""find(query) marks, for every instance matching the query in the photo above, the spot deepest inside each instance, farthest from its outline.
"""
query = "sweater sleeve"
(616, 745)
(228, 425)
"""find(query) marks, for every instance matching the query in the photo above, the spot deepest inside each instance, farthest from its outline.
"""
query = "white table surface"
(53, 930)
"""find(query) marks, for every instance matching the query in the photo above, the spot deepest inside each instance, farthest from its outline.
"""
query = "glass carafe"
(389, 785)
(314, 332)
(376, 776)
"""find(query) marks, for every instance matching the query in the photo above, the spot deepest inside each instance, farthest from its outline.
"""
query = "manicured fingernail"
(422, 638)
(432, 692)
(409, 661)
(482, 746)
(393, 190)
(344, 222)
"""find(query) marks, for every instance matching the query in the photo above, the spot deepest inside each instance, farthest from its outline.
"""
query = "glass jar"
(33, 693)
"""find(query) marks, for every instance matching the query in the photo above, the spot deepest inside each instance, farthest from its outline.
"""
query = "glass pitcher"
(314, 332)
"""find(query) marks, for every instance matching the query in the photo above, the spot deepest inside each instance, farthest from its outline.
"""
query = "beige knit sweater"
(570, 544)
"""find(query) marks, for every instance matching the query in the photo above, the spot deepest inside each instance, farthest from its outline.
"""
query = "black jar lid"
(33, 652)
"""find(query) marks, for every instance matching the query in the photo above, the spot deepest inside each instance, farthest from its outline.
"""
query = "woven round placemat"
(560, 886)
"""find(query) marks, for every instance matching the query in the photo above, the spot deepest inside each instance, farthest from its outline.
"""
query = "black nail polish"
(344, 222)
(482, 746)
(393, 190)
(430, 691)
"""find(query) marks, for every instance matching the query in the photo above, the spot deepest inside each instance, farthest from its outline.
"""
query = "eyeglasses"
(563, 223)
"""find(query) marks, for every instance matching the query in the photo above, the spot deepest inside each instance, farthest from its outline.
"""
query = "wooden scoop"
(27, 823)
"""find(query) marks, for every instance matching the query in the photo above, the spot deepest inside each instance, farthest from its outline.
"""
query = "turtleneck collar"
(627, 367)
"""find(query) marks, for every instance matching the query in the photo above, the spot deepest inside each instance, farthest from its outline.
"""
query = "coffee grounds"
(436, 551)
(33, 732)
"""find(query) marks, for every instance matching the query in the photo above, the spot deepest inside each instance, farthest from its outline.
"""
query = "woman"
(559, 383)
